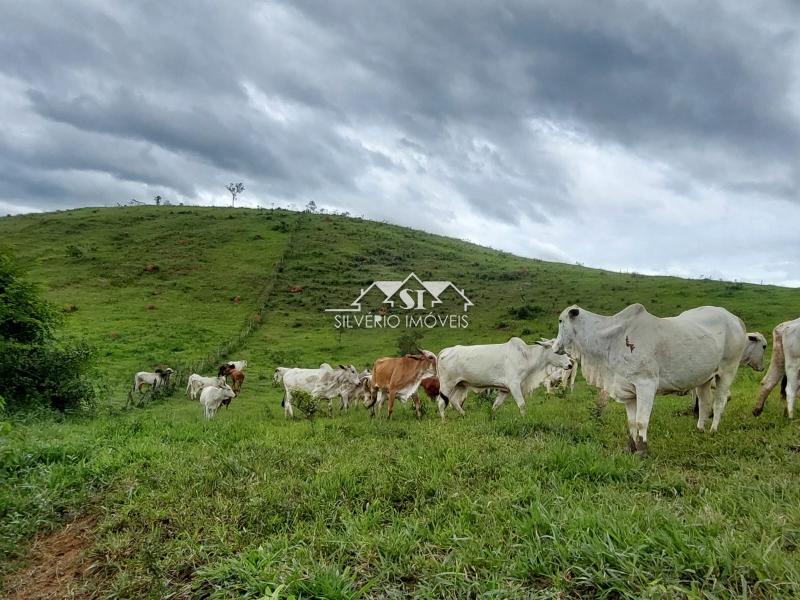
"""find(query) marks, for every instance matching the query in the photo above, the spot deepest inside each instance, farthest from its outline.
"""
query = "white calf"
(212, 397)
(196, 383)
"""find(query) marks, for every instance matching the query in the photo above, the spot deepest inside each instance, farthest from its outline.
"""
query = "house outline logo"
(397, 294)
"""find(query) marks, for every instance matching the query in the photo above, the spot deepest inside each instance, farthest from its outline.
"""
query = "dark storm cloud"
(508, 112)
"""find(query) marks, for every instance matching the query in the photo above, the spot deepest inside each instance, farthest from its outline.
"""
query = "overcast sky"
(660, 137)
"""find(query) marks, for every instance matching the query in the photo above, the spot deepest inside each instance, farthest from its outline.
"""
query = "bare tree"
(157, 200)
(235, 189)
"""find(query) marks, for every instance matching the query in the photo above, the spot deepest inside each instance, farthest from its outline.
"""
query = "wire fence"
(214, 358)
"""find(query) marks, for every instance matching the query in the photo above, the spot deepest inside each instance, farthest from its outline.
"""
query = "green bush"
(38, 369)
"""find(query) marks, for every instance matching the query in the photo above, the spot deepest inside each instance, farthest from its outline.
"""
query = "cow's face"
(228, 393)
(568, 321)
(350, 375)
(428, 363)
(753, 355)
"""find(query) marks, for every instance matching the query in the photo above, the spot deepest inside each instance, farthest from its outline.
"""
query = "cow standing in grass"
(400, 377)
(634, 355)
(514, 368)
(784, 367)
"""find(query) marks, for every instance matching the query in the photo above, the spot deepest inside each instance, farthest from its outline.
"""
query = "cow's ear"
(342, 367)
(752, 338)
(573, 312)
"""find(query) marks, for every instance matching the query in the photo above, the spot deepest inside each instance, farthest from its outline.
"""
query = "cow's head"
(427, 360)
(568, 322)
(753, 355)
(227, 393)
(349, 375)
(554, 359)
(224, 369)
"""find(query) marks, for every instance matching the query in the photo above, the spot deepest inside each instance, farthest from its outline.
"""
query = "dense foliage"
(39, 370)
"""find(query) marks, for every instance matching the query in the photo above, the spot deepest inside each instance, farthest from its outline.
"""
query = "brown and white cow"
(401, 377)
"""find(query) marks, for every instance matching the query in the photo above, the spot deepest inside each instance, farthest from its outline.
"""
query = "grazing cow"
(634, 355)
(401, 377)
(212, 397)
(363, 390)
(343, 381)
(307, 380)
(514, 368)
(753, 357)
(196, 383)
(158, 378)
(154, 380)
(784, 367)
(237, 379)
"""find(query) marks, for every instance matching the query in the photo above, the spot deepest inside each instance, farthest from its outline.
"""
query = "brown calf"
(400, 376)
(237, 379)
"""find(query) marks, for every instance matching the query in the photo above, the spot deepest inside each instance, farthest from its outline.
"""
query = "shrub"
(526, 311)
(409, 342)
(39, 370)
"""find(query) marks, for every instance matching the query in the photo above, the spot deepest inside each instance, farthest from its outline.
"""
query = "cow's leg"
(417, 407)
(378, 404)
(645, 395)
(547, 386)
(630, 411)
(498, 402)
(287, 405)
(516, 392)
(774, 375)
(458, 397)
(704, 394)
(721, 395)
(390, 404)
(440, 404)
(792, 384)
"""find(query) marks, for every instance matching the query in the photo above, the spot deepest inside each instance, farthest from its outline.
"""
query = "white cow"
(343, 381)
(196, 383)
(307, 380)
(752, 357)
(784, 367)
(514, 368)
(558, 378)
(154, 380)
(212, 397)
(277, 377)
(634, 355)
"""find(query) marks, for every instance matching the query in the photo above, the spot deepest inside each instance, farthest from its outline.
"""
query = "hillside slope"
(214, 263)
(546, 505)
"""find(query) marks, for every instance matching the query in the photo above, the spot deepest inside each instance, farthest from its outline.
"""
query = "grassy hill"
(550, 504)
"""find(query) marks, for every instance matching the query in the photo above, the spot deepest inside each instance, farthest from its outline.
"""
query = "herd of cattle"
(630, 357)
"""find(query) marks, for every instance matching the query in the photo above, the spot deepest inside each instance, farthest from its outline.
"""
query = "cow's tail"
(445, 398)
(783, 387)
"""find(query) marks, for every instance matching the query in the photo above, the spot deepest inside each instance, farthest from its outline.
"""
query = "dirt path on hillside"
(58, 565)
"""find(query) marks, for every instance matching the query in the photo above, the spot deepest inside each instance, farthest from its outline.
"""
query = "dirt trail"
(58, 565)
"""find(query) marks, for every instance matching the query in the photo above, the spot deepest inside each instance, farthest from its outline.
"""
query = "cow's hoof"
(641, 447)
(757, 411)
(631, 444)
